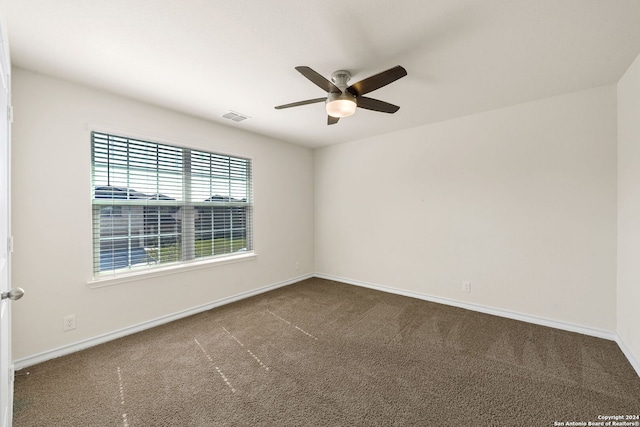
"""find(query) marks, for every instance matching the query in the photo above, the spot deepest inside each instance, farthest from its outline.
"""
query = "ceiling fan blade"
(299, 103)
(332, 120)
(376, 105)
(318, 80)
(377, 81)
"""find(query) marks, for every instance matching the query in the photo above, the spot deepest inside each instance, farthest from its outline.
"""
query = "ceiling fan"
(341, 101)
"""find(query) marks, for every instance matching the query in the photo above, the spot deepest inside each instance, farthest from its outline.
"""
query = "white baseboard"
(629, 354)
(100, 339)
(480, 308)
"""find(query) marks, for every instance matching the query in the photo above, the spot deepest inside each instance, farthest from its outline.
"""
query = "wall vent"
(236, 117)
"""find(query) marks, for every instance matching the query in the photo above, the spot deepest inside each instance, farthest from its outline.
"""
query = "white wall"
(519, 201)
(52, 215)
(629, 209)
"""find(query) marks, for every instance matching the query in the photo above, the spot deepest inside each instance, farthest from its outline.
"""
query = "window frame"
(191, 261)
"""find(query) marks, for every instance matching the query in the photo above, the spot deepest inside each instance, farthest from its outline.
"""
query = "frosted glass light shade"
(341, 107)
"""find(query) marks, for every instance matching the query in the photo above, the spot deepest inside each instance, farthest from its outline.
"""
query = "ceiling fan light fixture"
(341, 106)
(342, 100)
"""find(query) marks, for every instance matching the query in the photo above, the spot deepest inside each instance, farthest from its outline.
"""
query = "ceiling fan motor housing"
(348, 96)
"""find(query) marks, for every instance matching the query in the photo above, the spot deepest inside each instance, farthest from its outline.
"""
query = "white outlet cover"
(69, 323)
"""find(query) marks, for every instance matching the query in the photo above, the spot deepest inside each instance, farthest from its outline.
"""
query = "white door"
(6, 368)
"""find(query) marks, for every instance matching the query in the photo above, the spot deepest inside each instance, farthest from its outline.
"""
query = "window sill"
(99, 282)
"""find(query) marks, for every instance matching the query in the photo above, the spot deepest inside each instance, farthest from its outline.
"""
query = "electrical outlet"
(466, 287)
(297, 266)
(69, 323)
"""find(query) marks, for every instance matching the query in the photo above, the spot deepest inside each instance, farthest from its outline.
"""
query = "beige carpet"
(321, 353)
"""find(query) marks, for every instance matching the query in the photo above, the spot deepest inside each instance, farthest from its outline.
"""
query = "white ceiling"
(206, 57)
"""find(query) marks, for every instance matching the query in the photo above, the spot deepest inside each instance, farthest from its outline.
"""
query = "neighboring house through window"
(157, 204)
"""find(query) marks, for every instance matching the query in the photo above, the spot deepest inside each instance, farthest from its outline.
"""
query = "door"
(6, 368)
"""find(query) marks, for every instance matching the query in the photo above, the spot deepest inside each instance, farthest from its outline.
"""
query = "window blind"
(156, 204)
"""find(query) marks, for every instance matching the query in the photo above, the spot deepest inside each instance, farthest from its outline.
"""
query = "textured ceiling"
(206, 57)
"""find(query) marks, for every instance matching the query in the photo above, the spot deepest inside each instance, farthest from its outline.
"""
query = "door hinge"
(10, 244)
(10, 113)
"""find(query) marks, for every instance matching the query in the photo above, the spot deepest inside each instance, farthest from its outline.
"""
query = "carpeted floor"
(322, 353)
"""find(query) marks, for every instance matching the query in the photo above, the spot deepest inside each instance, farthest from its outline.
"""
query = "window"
(156, 204)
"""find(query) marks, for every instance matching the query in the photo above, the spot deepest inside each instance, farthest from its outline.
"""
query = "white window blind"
(156, 204)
